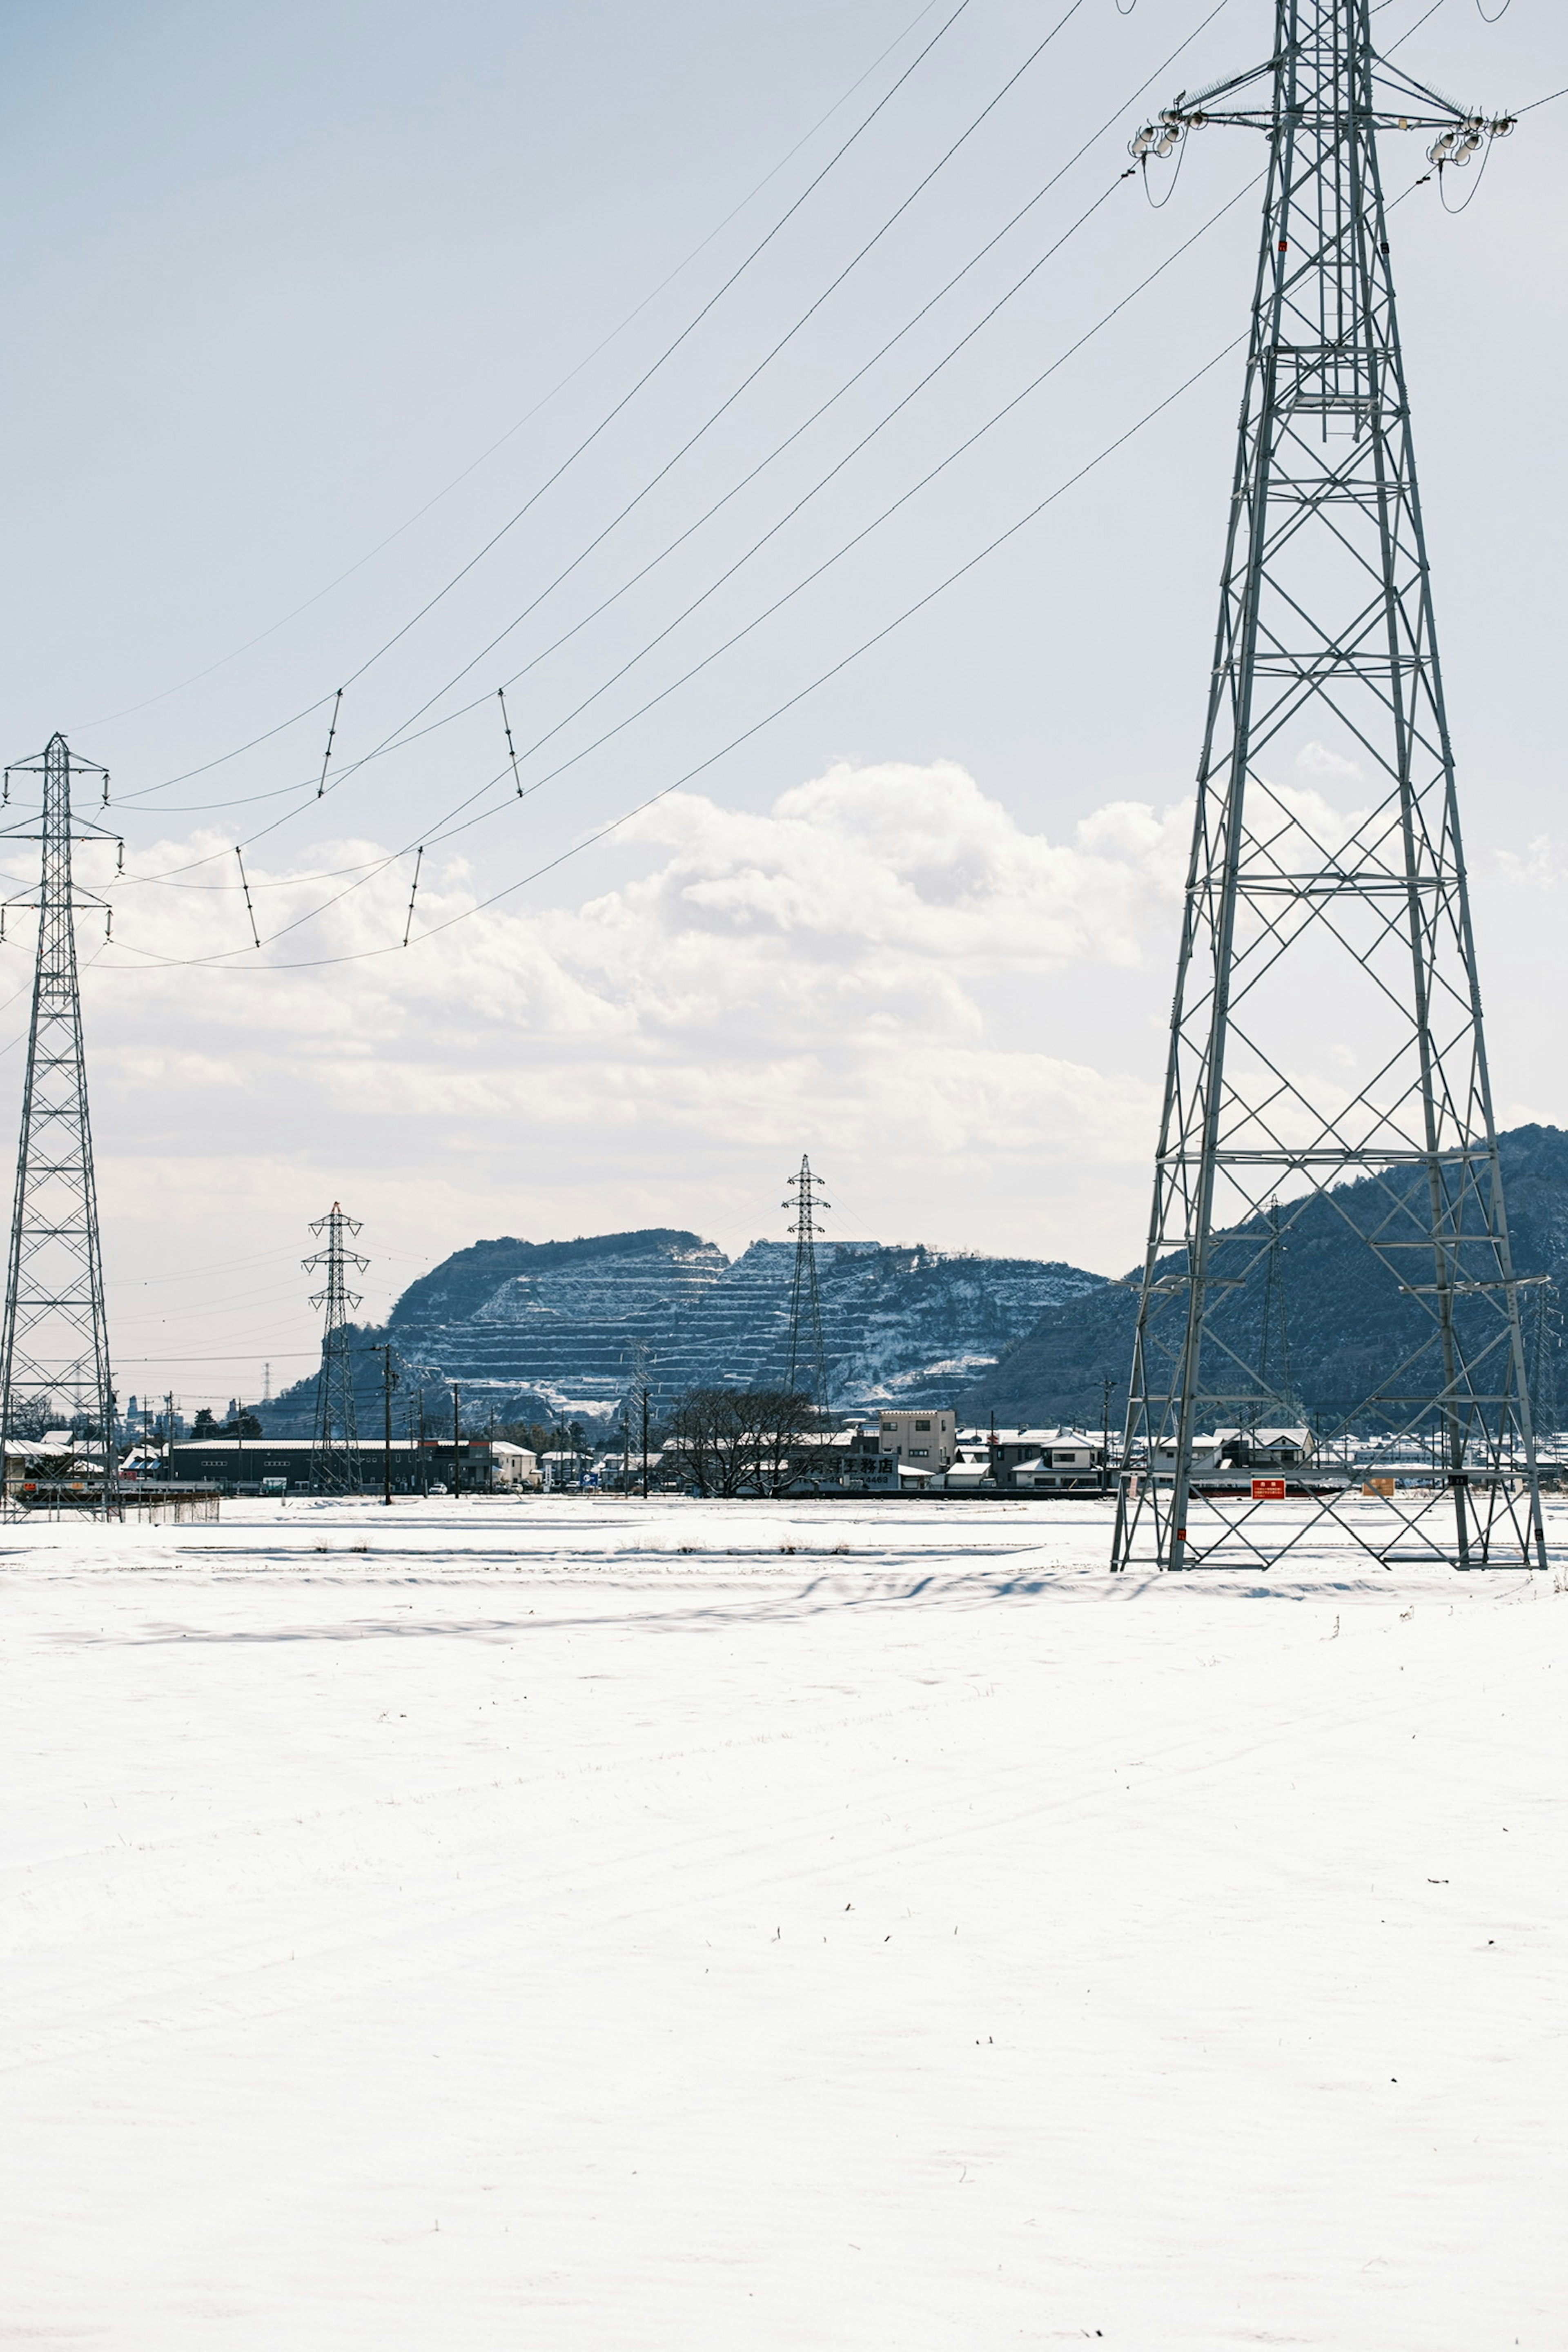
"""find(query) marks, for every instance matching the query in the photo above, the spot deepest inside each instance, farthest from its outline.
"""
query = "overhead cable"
(400, 735)
(434, 838)
(626, 397)
(445, 829)
(529, 414)
(362, 955)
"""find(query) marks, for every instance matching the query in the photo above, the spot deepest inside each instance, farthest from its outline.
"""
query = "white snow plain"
(588, 1925)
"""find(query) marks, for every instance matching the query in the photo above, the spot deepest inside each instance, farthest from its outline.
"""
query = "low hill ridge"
(1347, 1318)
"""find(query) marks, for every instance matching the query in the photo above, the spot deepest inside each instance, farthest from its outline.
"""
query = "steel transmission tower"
(1314, 934)
(54, 1347)
(808, 1374)
(334, 1451)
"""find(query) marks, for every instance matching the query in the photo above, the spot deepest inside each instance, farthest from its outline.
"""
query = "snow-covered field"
(595, 1924)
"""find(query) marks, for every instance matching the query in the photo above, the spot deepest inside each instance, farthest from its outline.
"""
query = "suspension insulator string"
(327, 762)
(510, 746)
(408, 926)
(246, 887)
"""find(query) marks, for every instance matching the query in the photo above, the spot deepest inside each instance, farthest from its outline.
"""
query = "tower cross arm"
(1398, 104)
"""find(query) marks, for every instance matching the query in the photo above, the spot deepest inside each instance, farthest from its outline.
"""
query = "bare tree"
(743, 1441)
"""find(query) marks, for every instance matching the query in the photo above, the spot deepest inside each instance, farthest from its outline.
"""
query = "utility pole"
(388, 1382)
(637, 1389)
(169, 1434)
(239, 1440)
(807, 1373)
(1305, 920)
(456, 1440)
(54, 1344)
(335, 1467)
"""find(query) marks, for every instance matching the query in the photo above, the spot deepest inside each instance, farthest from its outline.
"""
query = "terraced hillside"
(542, 1330)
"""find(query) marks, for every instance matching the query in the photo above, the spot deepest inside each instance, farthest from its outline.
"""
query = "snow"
(578, 1923)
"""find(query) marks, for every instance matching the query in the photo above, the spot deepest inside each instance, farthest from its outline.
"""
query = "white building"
(926, 1441)
(1051, 1459)
(1069, 1460)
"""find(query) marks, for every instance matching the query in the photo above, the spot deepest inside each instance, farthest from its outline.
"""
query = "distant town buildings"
(485, 1465)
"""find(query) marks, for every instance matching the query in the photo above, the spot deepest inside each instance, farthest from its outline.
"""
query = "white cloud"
(833, 947)
(1536, 869)
(885, 968)
(1315, 759)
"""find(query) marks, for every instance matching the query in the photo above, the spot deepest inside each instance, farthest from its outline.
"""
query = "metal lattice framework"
(335, 1467)
(54, 1347)
(807, 1372)
(1326, 912)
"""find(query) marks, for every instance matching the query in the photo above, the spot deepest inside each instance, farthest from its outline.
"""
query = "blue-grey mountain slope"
(1348, 1320)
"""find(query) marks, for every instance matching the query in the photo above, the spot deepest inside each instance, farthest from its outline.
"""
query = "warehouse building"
(245, 1465)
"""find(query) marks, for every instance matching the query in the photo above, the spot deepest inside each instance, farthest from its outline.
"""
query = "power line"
(382, 866)
(364, 955)
(370, 869)
(432, 838)
(1411, 29)
(228, 1356)
(523, 881)
(400, 738)
(791, 593)
(529, 414)
(837, 469)
(670, 348)
(611, 414)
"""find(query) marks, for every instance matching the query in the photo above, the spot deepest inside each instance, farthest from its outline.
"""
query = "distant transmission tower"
(808, 1374)
(54, 1347)
(1274, 1351)
(1544, 1339)
(1305, 927)
(334, 1451)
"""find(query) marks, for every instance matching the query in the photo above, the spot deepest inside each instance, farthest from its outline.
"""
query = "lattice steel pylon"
(807, 1372)
(334, 1448)
(1326, 912)
(54, 1344)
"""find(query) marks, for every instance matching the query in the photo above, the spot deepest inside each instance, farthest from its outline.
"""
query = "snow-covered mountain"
(562, 1322)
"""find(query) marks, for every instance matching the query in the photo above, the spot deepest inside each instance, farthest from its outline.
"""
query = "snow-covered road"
(589, 1925)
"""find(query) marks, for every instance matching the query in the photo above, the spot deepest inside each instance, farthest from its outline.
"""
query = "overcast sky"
(307, 302)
